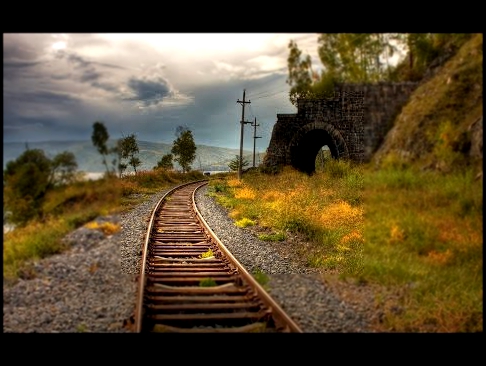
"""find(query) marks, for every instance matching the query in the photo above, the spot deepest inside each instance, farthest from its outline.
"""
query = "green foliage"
(117, 161)
(244, 222)
(207, 282)
(337, 168)
(261, 277)
(448, 148)
(81, 328)
(279, 236)
(300, 73)
(235, 163)
(323, 156)
(356, 57)
(64, 167)
(346, 57)
(36, 240)
(365, 58)
(28, 178)
(184, 148)
(100, 138)
(208, 254)
(129, 149)
(422, 50)
(68, 206)
(218, 187)
(425, 228)
(165, 162)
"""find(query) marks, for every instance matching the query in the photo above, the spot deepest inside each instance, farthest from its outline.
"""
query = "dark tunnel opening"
(304, 153)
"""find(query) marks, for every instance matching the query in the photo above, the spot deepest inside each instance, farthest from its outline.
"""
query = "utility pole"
(254, 140)
(242, 122)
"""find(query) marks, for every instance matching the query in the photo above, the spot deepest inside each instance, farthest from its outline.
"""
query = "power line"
(271, 95)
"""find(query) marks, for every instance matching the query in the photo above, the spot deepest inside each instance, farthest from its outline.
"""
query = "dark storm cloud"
(90, 75)
(42, 97)
(89, 72)
(19, 64)
(30, 111)
(61, 76)
(21, 129)
(149, 92)
(18, 58)
(14, 69)
(105, 86)
(16, 48)
(82, 62)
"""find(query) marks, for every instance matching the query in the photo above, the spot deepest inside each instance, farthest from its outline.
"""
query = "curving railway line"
(190, 282)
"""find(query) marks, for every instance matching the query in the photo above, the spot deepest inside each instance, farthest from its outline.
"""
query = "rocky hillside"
(441, 125)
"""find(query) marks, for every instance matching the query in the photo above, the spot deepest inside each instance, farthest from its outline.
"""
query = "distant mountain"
(208, 158)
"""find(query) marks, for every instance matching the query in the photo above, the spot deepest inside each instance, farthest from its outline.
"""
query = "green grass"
(423, 232)
(207, 282)
(69, 207)
(261, 277)
(280, 236)
(413, 232)
(244, 222)
(208, 254)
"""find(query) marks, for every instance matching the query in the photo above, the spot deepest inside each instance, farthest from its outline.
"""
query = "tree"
(235, 163)
(357, 57)
(165, 162)
(300, 73)
(346, 57)
(129, 147)
(423, 48)
(117, 161)
(63, 168)
(184, 148)
(28, 178)
(99, 138)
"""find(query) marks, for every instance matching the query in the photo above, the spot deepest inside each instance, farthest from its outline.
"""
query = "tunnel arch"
(308, 140)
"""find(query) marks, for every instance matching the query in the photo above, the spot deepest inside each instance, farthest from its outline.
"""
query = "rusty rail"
(190, 282)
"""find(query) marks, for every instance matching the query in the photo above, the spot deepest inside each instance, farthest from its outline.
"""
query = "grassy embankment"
(77, 204)
(418, 234)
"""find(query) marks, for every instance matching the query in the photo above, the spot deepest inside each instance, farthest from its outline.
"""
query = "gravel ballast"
(92, 286)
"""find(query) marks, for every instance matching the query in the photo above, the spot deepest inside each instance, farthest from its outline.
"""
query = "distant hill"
(208, 158)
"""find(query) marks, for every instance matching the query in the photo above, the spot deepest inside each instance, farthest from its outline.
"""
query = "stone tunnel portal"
(303, 152)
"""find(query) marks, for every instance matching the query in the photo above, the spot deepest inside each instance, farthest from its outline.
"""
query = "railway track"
(190, 282)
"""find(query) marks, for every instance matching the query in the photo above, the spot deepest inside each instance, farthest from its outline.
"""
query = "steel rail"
(170, 297)
(279, 314)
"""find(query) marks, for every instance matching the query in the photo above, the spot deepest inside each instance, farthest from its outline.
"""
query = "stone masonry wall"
(361, 113)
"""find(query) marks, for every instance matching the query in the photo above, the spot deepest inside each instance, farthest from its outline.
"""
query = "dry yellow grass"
(107, 228)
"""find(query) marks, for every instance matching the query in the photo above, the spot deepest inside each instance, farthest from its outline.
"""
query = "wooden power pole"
(254, 140)
(242, 122)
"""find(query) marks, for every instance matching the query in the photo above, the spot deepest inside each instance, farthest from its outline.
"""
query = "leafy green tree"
(28, 178)
(235, 163)
(423, 49)
(63, 168)
(100, 138)
(165, 162)
(129, 149)
(184, 148)
(365, 58)
(117, 162)
(346, 57)
(300, 73)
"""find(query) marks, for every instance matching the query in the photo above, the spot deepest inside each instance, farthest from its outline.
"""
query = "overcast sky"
(55, 86)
